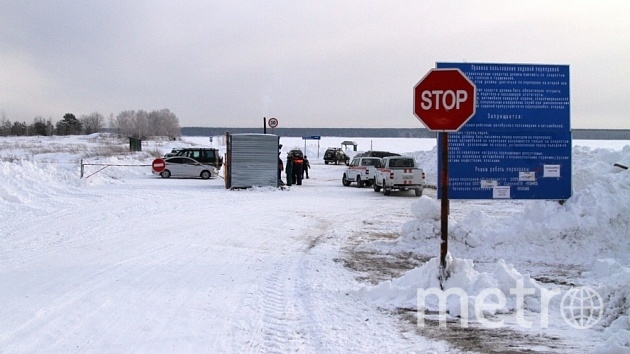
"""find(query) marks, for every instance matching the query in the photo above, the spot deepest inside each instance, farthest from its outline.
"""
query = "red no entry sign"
(158, 165)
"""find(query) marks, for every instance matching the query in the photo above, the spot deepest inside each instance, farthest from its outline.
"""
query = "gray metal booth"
(252, 160)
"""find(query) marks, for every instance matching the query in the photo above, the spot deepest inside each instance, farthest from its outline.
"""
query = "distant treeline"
(594, 134)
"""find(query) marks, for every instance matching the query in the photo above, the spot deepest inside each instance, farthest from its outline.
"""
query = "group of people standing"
(296, 168)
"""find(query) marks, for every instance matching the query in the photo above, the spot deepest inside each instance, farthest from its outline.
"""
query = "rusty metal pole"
(444, 210)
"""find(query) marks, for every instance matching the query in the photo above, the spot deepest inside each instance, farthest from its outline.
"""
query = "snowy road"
(156, 265)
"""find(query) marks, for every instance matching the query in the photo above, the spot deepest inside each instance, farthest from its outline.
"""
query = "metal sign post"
(444, 100)
(444, 273)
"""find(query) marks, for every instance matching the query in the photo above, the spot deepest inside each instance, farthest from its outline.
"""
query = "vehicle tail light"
(391, 175)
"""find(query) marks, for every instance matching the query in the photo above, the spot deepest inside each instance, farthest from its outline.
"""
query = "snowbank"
(589, 232)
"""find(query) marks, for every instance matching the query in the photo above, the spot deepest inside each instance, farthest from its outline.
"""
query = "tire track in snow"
(273, 319)
(279, 316)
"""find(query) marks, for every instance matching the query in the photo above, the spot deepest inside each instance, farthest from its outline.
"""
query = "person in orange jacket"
(298, 168)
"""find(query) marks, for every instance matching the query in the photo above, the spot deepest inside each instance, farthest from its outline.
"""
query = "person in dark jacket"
(289, 170)
(280, 169)
(298, 168)
(307, 166)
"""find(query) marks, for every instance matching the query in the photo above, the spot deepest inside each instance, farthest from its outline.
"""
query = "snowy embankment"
(585, 242)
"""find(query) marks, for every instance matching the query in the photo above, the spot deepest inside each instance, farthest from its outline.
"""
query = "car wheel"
(205, 174)
(325, 162)
(345, 181)
(377, 188)
(347, 162)
(386, 190)
(336, 162)
(359, 182)
(165, 174)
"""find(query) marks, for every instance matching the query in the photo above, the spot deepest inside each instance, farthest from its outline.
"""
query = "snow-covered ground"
(125, 261)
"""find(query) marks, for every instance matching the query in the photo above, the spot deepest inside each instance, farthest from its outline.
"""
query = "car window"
(368, 162)
(176, 160)
(355, 162)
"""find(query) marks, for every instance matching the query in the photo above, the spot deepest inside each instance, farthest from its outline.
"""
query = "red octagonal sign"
(158, 165)
(444, 100)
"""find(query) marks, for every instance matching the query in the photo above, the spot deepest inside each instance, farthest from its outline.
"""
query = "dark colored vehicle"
(173, 152)
(336, 155)
(296, 152)
(206, 156)
(380, 154)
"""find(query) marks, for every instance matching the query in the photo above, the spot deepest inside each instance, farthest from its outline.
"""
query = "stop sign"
(444, 100)
(158, 165)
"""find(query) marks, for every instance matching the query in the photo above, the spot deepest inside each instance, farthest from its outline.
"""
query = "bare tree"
(92, 123)
(164, 123)
(124, 123)
(140, 124)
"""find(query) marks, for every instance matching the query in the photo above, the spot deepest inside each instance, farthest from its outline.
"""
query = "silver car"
(182, 166)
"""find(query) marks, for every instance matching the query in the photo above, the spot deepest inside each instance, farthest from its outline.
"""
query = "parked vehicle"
(206, 156)
(182, 166)
(361, 170)
(173, 152)
(336, 155)
(399, 173)
(296, 152)
(381, 154)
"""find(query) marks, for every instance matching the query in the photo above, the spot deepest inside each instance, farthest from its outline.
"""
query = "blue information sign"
(518, 143)
(312, 137)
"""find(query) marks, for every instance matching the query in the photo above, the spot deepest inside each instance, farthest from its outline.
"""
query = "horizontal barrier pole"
(106, 165)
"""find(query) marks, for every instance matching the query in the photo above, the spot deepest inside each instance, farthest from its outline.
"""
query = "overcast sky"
(317, 63)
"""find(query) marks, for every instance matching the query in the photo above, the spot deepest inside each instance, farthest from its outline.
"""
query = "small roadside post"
(312, 137)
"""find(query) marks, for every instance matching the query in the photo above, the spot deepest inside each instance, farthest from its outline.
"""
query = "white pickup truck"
(361, 170)
(399, 173)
